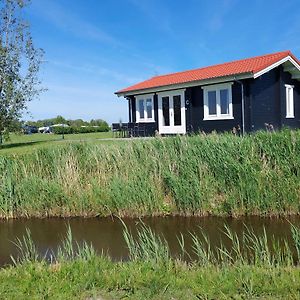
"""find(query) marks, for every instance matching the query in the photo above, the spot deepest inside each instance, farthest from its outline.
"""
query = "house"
(247, 94)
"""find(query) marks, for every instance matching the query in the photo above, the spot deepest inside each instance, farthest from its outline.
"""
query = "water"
(106, 233)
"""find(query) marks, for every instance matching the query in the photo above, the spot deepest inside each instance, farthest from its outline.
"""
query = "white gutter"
(186, 85)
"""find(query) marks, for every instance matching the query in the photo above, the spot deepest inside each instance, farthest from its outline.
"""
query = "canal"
(106, 234)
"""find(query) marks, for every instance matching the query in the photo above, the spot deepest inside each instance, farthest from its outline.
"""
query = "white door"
(171, 112)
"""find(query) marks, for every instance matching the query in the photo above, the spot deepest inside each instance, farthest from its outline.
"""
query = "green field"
(20, 143)
(213, 174)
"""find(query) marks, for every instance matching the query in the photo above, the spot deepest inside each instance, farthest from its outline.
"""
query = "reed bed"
(216, 174)
(249, 249)
(147, 246)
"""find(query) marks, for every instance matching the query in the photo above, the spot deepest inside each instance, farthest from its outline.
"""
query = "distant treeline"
(62, 120)
(76, 126)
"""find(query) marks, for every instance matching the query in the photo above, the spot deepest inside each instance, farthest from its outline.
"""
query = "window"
(166, 110)
(224, 102)
(177, 110)
(144, 109)
(212, 103)
(149, 108)
(289, 90)
(141, 109)
(218, 102)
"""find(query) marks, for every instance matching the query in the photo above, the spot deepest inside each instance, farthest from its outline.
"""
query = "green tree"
(19, 65)
(78, 123)
(60, 120)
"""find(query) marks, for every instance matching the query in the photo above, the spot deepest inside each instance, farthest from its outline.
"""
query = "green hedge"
(73, 129)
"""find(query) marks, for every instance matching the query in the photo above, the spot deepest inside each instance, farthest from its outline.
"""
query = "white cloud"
(71, 22)
(97, 71)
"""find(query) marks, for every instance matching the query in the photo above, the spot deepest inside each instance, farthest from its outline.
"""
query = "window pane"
(166, 111)
(290, 102)
(224, 102)
(141, 109)
(177, 110)
(149, 108)
(212, 103)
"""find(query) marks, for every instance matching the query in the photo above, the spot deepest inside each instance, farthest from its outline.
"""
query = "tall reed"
(248, 249)
(68, 250)
(27, 249)
(212, 174)
(71, 250)
(146, 245)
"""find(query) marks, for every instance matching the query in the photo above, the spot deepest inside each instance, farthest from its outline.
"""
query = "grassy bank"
(213, 174)
(262, 270)
(100, 278)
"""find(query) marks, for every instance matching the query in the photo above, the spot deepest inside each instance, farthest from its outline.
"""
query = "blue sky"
(96, 47)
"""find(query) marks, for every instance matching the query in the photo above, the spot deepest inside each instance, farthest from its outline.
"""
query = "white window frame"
(289, 101)
(217, 88)
(137, 108)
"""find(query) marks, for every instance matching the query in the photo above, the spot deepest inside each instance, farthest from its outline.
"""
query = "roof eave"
(290, 58)
(214, 80)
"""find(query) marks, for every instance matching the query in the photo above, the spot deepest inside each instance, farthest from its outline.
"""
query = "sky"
(95, 47)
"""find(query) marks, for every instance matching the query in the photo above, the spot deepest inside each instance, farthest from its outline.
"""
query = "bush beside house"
(84, 129)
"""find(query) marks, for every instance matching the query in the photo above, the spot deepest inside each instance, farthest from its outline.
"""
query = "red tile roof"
(244, 66)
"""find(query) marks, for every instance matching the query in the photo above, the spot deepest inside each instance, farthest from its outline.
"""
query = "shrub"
(87, 129)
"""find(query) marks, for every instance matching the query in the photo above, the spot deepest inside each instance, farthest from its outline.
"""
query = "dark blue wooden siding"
(133, 107)
(195, 111)
(267, 98)
(286, 78)
(264, 93)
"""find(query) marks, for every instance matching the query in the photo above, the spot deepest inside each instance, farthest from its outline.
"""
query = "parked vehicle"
(27, 129)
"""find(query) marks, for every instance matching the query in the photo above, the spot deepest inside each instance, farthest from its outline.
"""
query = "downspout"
(243, 106)
(130, 108)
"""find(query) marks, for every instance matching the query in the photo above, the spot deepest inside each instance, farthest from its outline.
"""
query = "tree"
(19, 64)
(60, 120)
(78, 123)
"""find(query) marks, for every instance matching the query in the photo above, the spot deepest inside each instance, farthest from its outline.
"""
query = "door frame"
(172, 129)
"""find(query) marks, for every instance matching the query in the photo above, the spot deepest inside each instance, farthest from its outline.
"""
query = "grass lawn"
(100, 278)
(20, 143)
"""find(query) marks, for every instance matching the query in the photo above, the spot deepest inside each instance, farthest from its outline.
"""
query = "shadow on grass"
(23, 144)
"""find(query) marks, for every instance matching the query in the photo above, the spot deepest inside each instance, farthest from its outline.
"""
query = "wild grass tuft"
(71, 250)
(27, 250)
(296, 238)
(146, 246)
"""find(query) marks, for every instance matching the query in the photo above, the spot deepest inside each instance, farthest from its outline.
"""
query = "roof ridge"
(221, 64)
